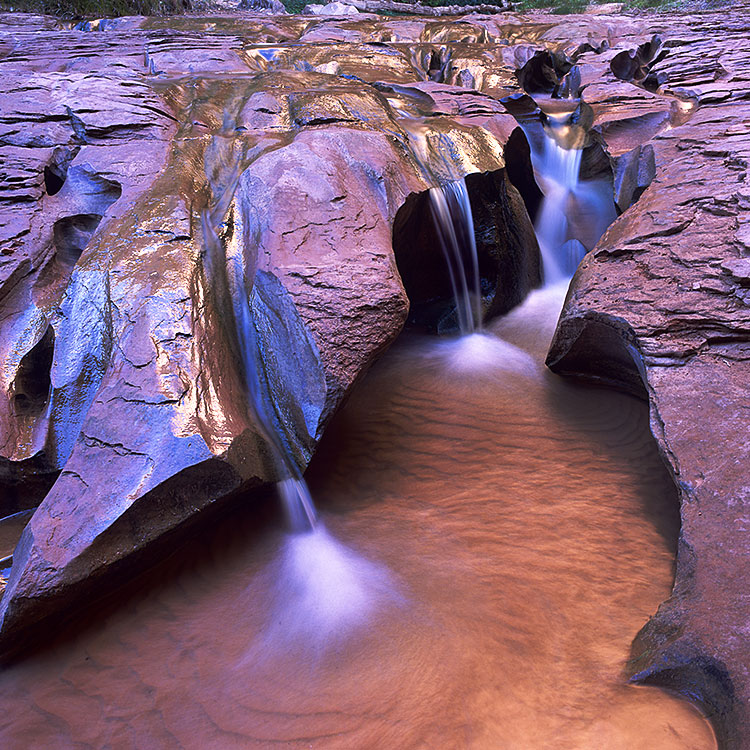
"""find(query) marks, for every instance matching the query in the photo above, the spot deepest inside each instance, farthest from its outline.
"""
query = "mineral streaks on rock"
(293, 141)
(81, 147)
(123, 377)
(663, 303)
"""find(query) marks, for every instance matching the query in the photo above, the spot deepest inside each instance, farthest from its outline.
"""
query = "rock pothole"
(31, 386)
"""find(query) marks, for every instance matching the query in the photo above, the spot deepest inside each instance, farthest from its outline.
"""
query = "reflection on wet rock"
(304, 147)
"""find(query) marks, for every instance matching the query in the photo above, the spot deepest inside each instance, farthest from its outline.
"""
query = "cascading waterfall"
(231, 281)
(323, 589)
(451, 212)
(473, 351)
(575, 212)
(559, 168)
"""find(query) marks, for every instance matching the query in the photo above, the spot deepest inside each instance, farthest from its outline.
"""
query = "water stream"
(231, 280)
(518, 530)
(575, 211)
(559, 169)
(451, 212)
(513, 533)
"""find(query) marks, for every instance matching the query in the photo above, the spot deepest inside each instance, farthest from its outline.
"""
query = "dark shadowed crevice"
(433, 63)
(438, 63)
(31, 386)
(506, 241)
(56, 172)
(661, 659)
(595, 162)
(521, 173)
(90, 196)
(634, 171)
(71, 235)
(635, 65)
(417, 251)
(54, 179)
(543, 72)
(598, 349)
(24, 484)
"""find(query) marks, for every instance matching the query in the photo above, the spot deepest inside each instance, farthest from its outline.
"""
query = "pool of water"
(492, 539)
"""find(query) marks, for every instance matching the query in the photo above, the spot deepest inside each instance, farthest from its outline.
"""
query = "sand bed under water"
(495, 537)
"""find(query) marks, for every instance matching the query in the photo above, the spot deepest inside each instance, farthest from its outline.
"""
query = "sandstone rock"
(605, 8)
(332, 9)
(506, 247)
(274, 6)
(290, 144)
(543, 71)
(661, 308)
(739, 269)
(634, 172)
(127, 368)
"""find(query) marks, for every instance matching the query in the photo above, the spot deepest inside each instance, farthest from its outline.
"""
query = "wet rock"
(634, 65)
(332, 9)
(543, 72)
(290, 143)
(660, 308)
(633, 173)
(507, 250)
(125, 358)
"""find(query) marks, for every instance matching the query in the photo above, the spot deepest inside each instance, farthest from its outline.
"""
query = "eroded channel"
(513, 531)
(492, 539)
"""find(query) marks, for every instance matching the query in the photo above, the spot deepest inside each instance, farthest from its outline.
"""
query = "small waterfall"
(559, 169)
(575, 212)
(451, 212)
(298, 503)
(231, 282)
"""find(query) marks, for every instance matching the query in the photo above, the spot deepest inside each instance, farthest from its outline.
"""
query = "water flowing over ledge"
(125, 409)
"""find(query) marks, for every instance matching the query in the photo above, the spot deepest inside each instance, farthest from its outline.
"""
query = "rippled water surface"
(493, 540)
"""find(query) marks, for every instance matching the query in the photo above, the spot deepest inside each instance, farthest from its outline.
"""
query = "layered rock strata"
(661, 307)
(291, 144)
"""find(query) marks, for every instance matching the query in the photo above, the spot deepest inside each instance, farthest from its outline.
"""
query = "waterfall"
(575, 212)
(559, 169)
(231, 282)
(451, 212)
(298, 503)
(293, 489)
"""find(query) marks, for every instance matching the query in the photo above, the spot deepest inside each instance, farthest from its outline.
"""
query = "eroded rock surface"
(132, 198)
(662, 303)
(291, 143)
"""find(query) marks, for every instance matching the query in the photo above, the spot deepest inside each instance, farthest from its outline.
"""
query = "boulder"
(332, 9)
(148, 381)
